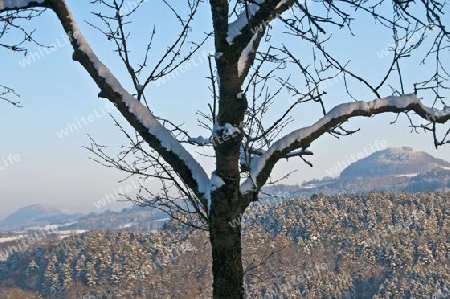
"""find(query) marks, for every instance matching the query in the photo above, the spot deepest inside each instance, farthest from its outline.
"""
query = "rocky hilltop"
(393, 161)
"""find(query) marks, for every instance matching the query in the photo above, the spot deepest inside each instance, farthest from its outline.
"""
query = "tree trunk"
(226, 249)
(227, 203)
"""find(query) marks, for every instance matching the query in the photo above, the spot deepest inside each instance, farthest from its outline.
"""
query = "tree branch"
(6, 91)
(261, 167)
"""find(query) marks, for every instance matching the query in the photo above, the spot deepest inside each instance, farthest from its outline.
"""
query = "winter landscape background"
(299, 241)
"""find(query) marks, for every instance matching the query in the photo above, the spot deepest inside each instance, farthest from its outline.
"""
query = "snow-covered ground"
(12, 238)
(48, 227)
(70, 231)
(125, 225)
(61, 234)
(163, 219)
(407, 175)
(65, 233)
(309, 186)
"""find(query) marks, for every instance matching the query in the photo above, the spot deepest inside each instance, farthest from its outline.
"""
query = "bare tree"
(249, 70)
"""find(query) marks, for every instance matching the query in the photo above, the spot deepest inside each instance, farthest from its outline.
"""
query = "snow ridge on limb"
(242, 62)
(145, 117)
(260, 167)
(235, 28)
(245, 33)
(134, 111)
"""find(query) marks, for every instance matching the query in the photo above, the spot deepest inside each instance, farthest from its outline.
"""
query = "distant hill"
(36, 214)
(393, 161)
(391, 170)
(437, 179)
(135, 218)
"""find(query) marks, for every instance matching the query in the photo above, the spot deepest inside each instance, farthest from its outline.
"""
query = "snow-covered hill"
(36, 215)
(393, 161)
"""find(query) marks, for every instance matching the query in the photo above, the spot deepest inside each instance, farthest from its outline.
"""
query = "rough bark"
(226, 247)
(226, 202)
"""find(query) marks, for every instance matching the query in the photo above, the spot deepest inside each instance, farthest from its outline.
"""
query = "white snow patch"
(69, 223)
(244, 55)
(17, 3)
(258, 163)
(280, 3)
(300, 151)
(216, 181)
(309, 186)
(9, 239)
(125, 225)
(70, 232)
(144, 115)
(234, 28)
(230, 129)
(407, 175)
(163, 219)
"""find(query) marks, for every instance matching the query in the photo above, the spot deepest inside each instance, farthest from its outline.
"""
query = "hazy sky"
(57, 94)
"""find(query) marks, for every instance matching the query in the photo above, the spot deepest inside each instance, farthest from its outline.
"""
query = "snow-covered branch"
(139, 116)
(235, 27)
(261, 166)
(269, 10)
(299, 153)
(246, 31)
(239, 39)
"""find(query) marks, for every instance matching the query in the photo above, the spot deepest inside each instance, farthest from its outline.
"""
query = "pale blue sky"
(56, 91)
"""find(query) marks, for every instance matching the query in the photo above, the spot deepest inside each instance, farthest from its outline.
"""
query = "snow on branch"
(242, 62)
(168, 142)
(261, 166)
(299, 153)
(200, 140)
(234, 28)
(282, 2)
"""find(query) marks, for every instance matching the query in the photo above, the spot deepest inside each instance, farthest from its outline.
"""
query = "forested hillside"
(435, 180)
(378, 245)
